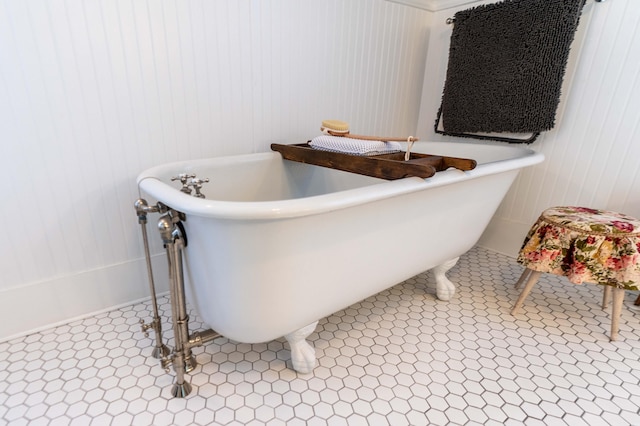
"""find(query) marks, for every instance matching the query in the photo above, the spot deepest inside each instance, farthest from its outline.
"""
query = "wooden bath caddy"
(383, 166)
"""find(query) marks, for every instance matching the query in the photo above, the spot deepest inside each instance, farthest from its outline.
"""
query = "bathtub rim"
(149, 183)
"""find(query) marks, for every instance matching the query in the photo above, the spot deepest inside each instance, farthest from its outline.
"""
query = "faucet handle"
(183, 177)
(197, 184)
(184, 180)
(198, 181)
(145, 327)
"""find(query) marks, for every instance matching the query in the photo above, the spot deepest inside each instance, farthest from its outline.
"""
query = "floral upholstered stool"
(585, 245)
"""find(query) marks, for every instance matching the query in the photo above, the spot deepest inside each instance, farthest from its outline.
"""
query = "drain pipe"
(181, 354)
(182, 319)
(161, 350)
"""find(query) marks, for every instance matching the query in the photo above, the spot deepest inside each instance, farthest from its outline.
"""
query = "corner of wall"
(504, 236)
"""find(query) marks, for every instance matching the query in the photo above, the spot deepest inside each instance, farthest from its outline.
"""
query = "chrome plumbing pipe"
(182, 359)
(182, 318)
(170, 237)
(199, 338)
(161, 350)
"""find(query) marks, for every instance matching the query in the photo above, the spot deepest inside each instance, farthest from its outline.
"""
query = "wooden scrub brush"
(341, 128)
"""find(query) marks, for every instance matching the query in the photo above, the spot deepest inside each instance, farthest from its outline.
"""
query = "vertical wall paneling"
(94, 92)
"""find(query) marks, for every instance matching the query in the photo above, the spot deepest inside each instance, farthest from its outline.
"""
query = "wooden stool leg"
(533, 278)
(606, 295)
(618, 297)
(523, 277)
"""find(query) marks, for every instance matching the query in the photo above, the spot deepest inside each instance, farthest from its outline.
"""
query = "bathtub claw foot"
(303, 355)
(445, 289)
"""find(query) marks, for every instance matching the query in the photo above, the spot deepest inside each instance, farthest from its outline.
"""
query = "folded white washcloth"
(354, 146)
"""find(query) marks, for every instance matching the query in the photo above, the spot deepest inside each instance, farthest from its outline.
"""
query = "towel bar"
(450, 21)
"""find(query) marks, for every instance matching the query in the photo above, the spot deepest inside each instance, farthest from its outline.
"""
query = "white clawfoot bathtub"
(277, 245)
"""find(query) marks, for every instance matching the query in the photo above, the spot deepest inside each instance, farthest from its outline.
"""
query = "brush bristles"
(335, 126)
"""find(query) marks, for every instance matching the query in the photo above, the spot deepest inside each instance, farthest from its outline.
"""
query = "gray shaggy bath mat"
(506, 65)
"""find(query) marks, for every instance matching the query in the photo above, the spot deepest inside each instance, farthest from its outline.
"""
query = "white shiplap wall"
(593, 153)
(93, 92)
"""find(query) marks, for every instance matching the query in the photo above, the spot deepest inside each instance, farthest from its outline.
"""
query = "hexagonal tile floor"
(400, 357)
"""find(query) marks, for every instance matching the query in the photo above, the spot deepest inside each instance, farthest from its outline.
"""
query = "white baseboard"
(34, 307)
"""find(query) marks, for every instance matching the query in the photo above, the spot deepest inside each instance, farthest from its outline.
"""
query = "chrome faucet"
(197, 185)
(184, 180)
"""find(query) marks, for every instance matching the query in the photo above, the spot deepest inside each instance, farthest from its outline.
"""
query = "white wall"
(593, 153)
(94, 92)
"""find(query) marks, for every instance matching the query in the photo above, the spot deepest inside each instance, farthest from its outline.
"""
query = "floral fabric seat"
(585, 245)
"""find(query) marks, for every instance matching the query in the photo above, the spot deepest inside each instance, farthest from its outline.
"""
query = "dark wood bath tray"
(384, 166)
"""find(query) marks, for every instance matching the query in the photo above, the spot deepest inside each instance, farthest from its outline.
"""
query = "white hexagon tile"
(401, 357)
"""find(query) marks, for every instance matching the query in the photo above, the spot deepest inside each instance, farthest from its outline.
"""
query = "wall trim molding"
(433, 5)
(51, 303)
